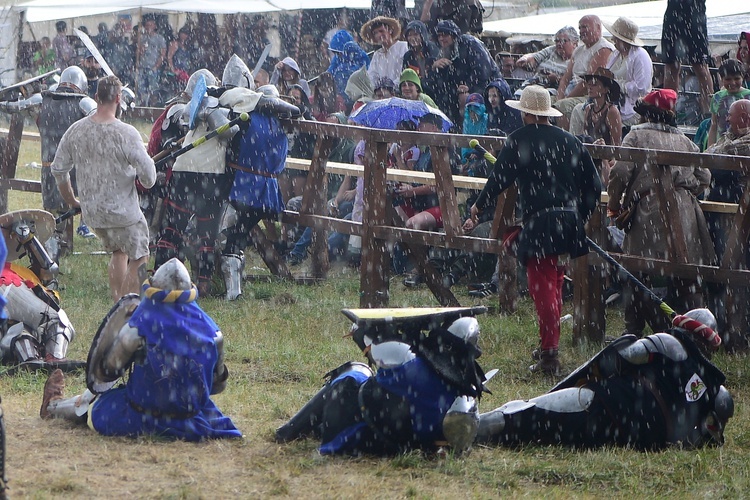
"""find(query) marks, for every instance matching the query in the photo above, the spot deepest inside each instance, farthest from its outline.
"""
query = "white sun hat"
(535, 100)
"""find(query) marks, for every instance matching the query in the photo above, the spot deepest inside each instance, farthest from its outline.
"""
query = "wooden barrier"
(380, 228)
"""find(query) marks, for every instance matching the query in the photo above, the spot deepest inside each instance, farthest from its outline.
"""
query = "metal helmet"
(210, 80)
(237, 74)
(466, 328)
(173, 275)
(704, 316)
(724, 404)
(74, 77)
(268, 90)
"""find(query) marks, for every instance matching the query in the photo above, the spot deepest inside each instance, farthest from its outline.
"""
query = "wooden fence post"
(10, 148)
(314, 201)
(588, 284)
(375, 260)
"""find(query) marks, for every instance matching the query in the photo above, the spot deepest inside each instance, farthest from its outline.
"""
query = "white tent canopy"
(726, 19)
(49, 10)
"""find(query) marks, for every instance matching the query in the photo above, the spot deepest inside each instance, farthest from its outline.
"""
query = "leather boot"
(548, 364)
(54, 389)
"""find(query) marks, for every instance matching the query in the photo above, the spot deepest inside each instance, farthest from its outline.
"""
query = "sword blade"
(94, 51)
(262, 59)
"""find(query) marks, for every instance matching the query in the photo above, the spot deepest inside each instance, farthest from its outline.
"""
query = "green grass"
(277, 352)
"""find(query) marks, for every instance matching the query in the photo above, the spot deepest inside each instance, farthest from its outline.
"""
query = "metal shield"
(199, 92)
(40, 222)
(98, 379)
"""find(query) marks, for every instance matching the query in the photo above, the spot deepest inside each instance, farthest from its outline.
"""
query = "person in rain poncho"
(501, 118)
(422, 50)
(348, 58)
(475, 122)
(285, 74)
(464, 66)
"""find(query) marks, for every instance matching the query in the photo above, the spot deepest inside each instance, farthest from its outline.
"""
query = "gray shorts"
(566, 105)
(132, 240)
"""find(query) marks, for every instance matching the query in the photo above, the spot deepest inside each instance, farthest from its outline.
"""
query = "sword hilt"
(474, 144)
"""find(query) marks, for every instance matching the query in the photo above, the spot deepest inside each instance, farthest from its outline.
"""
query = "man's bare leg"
(672, 76)
(126, 276)
(707, 86)
(136, 275)
(118, 266)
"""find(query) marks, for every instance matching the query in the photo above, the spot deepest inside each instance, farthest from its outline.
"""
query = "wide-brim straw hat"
(535, 100)
(608, 79)
(41, 222)
(624, 29)
(364, 32)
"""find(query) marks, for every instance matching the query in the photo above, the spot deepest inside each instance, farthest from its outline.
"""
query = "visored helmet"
(268, 90)
(73, 77)
(172, 275)
(210, 80)
(237, 74)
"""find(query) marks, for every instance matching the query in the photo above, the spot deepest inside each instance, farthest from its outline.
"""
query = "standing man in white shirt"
(109, 155)
(388, 60)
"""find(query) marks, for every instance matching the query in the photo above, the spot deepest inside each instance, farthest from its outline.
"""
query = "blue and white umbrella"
(388, 113)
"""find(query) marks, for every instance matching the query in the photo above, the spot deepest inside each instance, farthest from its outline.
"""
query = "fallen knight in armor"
(37, 332)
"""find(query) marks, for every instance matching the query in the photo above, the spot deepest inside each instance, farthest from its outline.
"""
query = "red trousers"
(545, 280)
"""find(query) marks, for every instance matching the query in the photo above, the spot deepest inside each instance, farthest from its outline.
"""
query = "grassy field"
(280, 340)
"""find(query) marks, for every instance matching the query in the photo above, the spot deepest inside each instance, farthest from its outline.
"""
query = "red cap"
(664, 99)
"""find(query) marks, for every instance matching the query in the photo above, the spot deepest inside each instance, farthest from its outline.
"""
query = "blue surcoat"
(168, 391)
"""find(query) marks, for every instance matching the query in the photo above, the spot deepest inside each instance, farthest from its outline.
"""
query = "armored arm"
(221, 372)
(30, 105)
(216, 117)
(123, 350)
(87, 106)
(640, 352)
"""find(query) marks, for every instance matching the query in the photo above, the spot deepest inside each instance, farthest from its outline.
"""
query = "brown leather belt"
(251, 171)
(46, 164)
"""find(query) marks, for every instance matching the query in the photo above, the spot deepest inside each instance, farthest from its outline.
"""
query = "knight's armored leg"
(58, 333)
(206, 252)
(54, 406)
(461, 423)
(232, 266)
(209, 219)
(310, 418)
(167, 246)
(20, 346)
(560, 417)
(26, 348)
(177, 214)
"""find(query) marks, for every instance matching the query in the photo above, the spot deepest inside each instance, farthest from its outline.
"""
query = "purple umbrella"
(387, 113)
